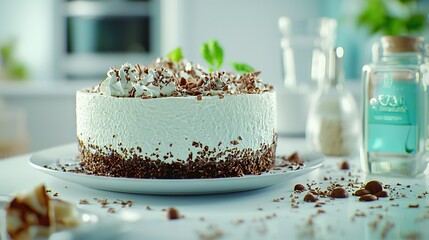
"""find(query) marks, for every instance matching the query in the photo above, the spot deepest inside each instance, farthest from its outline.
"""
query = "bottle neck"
(402, 58)
(334, 74)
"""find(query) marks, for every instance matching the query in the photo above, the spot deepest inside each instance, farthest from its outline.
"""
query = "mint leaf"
(205, 52)
(242, 67)
(212, 52)
(217, 52)
(175, 55)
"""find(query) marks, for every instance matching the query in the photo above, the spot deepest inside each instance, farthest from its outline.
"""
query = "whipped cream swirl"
(165, 78)
(129, 81)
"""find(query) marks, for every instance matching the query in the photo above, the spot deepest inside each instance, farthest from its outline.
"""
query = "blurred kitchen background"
(51, 48)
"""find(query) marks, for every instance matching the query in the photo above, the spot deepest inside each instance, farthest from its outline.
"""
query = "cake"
(35, 213)
(176, 120)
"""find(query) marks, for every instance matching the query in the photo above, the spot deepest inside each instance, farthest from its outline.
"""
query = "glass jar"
(333, 121)
(394, 108)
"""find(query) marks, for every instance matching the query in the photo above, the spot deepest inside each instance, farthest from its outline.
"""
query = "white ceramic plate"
(67, 155)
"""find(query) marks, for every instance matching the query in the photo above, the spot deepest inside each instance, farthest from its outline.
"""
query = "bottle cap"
(396, 44)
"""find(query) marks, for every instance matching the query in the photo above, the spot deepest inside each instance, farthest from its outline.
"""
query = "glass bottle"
(333, 121)
(394, 109)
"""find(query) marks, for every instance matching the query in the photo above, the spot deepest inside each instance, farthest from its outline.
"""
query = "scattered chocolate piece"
(375, 207)
(374, 186)
(382, 194)
(173, 214)
(295, 158)
(339, 192)
(344, 165)
(83, 201)
(368, 198)
(314, 192)
(299, 188)
(111, 210)
(360, 214)
(318, 205)
(416, 205)
(310, 198)
(361, 192)
(320, 211)
(103, 202)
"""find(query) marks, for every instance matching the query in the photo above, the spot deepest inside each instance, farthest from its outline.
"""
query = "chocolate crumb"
(299, 188)
(173, 214)
(320, 211)
(361, 192)
(295, 158)
(416, 205)
(111, 210)
(360, 214)
(103, 202)
(368, 198)
(344, 165)
(55, 194)
(339, 192)
(83, 201)
(382, 194)
(310, 198)
(374, 186)
(376, 207)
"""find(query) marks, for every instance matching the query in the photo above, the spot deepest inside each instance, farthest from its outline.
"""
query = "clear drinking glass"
(305, 44)
(13, 133)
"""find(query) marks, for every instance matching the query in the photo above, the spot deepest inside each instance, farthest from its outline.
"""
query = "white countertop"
(248, 215)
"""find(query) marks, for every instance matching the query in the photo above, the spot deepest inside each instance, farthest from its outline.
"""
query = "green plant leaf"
(394, 26)
(416, 22)
(242, 67)
(405, 2)
(212, 52)
(205, 52)
(217, 53)
(175, 55)
(378, 17)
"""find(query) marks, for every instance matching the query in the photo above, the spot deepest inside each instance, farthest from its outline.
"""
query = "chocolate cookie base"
(235, 163)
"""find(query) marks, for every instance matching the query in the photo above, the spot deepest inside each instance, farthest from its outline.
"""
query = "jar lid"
(395, 44)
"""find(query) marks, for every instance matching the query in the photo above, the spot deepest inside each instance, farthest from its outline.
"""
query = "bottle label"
(393, 116)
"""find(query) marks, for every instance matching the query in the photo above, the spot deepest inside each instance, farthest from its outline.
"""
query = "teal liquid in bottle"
(394, 122)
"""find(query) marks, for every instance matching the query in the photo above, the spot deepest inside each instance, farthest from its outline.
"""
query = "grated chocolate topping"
(164, 78)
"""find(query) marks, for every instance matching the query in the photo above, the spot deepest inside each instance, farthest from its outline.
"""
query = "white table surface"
(245, 215)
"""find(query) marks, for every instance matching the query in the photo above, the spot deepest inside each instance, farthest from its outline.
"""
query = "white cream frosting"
(172, 124)
(133, 81)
